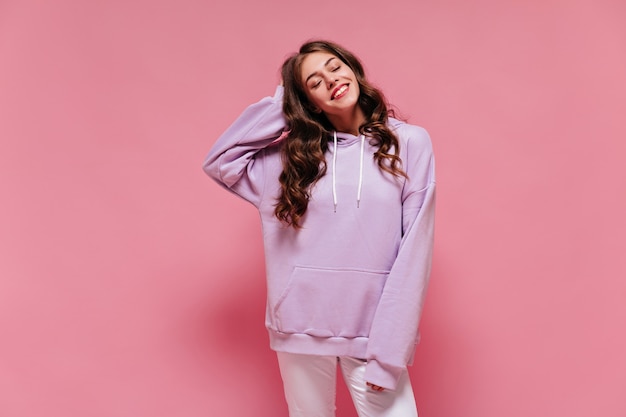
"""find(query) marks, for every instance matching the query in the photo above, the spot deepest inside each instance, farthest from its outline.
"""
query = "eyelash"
(317, 84)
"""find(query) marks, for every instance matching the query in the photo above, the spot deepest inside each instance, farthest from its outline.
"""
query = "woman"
(346, 197)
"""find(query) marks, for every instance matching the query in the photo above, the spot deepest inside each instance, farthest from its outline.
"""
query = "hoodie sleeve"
(394, 331)
(233, 162)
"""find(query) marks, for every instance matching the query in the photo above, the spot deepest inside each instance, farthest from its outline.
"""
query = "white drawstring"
(334, 168)
(358, 196)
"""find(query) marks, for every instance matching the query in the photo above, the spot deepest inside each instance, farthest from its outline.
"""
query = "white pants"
(309, 383)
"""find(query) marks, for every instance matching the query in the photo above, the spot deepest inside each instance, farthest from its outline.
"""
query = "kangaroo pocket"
(329, 302)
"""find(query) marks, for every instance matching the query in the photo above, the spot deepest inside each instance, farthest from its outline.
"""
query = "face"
(331, 86)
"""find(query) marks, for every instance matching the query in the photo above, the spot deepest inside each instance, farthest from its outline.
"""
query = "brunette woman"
(346, 195)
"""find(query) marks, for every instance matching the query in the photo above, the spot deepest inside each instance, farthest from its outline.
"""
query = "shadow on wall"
(237, 333)
(443, 358)
(247, 368)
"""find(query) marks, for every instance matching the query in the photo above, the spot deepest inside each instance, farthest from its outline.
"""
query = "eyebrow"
(315, 73)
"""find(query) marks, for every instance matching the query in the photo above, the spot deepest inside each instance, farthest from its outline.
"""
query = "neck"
(348, 123)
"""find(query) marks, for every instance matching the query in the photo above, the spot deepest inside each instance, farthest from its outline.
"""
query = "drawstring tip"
(335, 209)
(358, 203)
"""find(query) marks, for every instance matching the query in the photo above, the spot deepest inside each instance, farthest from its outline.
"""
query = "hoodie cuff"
(383, 376)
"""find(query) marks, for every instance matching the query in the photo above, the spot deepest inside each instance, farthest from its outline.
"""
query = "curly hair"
(304, 146)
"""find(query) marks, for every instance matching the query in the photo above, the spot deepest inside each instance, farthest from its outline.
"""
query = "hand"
(375, 387)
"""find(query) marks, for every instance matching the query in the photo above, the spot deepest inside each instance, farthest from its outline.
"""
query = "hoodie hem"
(301, 343)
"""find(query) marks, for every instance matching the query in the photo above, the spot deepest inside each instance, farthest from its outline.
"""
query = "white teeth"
(340, 91)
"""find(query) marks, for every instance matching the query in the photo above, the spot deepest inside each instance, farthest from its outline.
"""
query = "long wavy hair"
(309, 131)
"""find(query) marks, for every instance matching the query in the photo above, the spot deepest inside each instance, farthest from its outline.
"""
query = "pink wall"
(131, 285)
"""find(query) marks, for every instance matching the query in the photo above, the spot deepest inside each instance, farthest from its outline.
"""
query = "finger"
(375, 387)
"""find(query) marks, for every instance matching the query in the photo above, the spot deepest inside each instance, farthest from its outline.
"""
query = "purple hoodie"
(352, 281)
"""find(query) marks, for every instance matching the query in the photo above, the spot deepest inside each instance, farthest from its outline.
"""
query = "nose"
(331, 80)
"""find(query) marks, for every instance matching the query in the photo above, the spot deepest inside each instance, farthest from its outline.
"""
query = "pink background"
(131, 285)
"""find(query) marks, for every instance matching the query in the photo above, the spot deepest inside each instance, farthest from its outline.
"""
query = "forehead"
(314, 62)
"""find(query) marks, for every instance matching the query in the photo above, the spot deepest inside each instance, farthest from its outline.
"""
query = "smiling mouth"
(339, 92)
